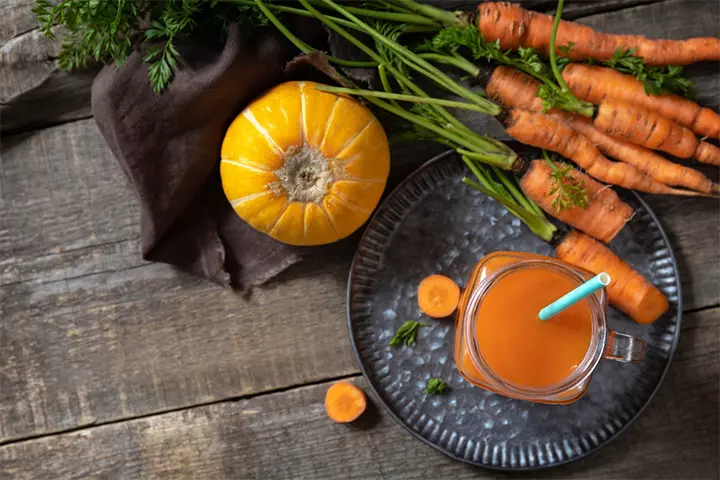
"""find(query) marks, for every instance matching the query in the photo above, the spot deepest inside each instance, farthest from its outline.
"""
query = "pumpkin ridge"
(240, 200)
(272, 232)
(302, 125)
(348, 204)
(253, 121)
(282, 212)
(357, 135)
(331, 117)
(330, 219)
(361, 180)
(246, 164)
(305, 221)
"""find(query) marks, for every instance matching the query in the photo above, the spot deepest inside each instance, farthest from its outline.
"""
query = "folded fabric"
(168, 145)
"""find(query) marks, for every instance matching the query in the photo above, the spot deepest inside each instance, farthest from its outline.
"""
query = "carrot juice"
(501, 344)
(518, 346)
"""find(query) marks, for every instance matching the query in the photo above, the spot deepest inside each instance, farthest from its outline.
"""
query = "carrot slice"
(345, 402)
(438, 296)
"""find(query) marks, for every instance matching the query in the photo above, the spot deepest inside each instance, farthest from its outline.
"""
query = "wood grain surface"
(164, 375)
(287, 436)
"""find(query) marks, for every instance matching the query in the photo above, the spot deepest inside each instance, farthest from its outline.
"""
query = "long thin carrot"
(595, 84)
(438, 296)
(645, 127)
(516, 27)
(550, 133)
(645, 160)
(604, 216)
(345, 402)
(513, 88)
(707, 153)
(629, 290)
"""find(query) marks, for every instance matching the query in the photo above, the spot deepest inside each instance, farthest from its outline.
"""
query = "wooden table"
(111, 367)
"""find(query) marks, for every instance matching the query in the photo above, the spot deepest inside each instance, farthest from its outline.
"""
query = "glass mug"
(604, 343)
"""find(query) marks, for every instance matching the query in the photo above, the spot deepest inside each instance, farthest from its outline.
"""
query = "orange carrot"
(707, 153)
(645, 160)
(650, 129)
(604, 216)
(438, 296)
(595, 84)
(513, 88)
(550, 133)
(629, 290)
(345, 402)
(645, 127)
(516, 27)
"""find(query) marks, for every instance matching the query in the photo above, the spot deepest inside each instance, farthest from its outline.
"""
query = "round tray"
(432, 223)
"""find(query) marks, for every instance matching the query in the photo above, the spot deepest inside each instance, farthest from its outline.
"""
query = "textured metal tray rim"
(671, 354)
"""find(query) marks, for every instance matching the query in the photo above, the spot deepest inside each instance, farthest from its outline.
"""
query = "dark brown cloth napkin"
(168, 145)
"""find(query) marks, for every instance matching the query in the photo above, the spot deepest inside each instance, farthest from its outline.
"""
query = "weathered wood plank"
(114, 345)
(61, 189)
(33, 92)
(287, 435)
(58, 98)
(17, 18)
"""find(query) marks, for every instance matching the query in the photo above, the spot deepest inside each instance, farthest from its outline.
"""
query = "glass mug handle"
(624, 348)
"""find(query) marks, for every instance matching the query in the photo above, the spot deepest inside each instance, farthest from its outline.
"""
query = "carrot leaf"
(406, 334)
(657, 80)
(570, 192)
(565, 51)
(435, 386)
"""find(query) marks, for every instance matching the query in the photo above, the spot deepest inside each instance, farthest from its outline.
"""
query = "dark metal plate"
(432, 223)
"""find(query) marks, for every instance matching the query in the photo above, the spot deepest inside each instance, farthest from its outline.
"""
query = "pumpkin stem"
(305, 175)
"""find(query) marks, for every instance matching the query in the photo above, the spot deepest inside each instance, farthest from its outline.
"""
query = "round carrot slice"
(438, 296)
(345, 402)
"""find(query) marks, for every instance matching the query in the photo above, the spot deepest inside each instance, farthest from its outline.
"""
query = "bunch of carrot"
(612, 117)
(626, 123)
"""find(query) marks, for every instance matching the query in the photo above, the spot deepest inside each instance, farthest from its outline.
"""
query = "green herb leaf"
(435, 386)
(657, 80)
(530, 57)
(564, 60)
(406, 334)
(570, 192)
(104, 30)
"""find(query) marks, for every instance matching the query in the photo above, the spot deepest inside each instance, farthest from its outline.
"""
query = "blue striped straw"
(596, 283)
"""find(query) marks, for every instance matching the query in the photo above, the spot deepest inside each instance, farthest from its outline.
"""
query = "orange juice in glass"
(501, 344)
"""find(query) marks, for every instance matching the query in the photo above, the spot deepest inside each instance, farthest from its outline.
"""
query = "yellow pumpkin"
(303, 166)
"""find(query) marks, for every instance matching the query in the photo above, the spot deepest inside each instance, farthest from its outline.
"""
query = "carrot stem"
(571, 102)
(479, 173)
(392, 16)
(553, 55)
(382, 73)
(488, 158)
(502, 156)
(540, 226)
(390, 6)
(401, 97)
(513, 190)
(414, 61)
(456, 61)
(301, 45)
(449, 19)
(546, 156)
